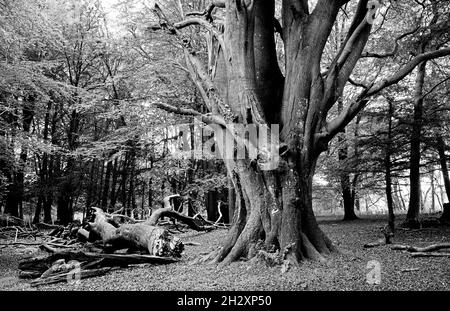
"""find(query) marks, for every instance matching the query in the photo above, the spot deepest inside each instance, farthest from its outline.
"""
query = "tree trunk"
(100, 181)
(276, 209)
(347, 197)
(150, 193)
(211, 205)
(387, 164)
(412, 217)
(113, 196)
(90, 192)
(38, 210)
(66, 190)
(443, 161)
(231, 200)
(123, 183)
(433, 192)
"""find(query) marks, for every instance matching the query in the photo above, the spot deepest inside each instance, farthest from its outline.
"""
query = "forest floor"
(345, 271)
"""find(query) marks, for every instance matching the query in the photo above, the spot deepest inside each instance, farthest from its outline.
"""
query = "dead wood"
(375, 244)
(83, 274)
(155, 240)
(83, 235)
(191, 222)
(430, 248)
(29, 274)
(42, 225)
(44, 263)
(409, 270)
(168, 211)
(101, 226)
(430, 254)
(7, 220)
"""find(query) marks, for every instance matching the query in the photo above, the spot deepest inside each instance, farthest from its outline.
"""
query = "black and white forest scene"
(224, 145)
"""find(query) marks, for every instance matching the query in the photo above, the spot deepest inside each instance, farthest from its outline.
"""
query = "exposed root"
(310, 251)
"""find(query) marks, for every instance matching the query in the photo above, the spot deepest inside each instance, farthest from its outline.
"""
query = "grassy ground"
(346, 271)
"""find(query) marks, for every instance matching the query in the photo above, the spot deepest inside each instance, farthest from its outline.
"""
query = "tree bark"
(412, 217)
(344, 175)
(387, 165)
(105, 192)
(443, 162)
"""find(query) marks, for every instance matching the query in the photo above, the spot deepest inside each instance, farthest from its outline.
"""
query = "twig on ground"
(409, 270)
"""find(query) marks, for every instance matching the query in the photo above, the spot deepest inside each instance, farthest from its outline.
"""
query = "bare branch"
(395, 49)
(336, 125)
(434, 87)
(399, 75)
(207, 118)
(358, 84)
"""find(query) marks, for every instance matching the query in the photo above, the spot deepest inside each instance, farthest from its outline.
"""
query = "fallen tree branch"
(414, 249)
(83, 274)
(409, 270)
(44, 263)
(21, 243)
(430, 254)
(191, 222)
(168, 211)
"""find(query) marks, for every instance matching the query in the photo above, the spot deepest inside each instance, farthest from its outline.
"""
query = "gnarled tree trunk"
(274, 198)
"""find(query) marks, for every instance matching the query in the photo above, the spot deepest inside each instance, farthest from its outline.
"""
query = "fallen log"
(430, 254)
(43, 263)
(21, 243)
(83, 235)
(155, 240)
(102, 227)
(414, 249)
(409, 270)
(82, 274)
(375, 244)
(29, 274)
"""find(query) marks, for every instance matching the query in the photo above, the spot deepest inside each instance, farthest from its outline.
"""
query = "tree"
(276, 205)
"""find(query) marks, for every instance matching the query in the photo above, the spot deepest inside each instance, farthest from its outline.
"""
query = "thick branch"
(399, 75)
(339, 123)
(207, 118)
(168, 211)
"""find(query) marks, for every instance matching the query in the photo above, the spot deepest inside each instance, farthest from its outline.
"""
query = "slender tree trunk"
(387, 164)
(412, 217)
(443, 162)
(38, 210)
(100, 185)
(49, 180)
(123, 182)
(113, 196)
(433, 192)
(89, 189)
(150, 193)
(105, 192)
(231, 199)
(347, 196)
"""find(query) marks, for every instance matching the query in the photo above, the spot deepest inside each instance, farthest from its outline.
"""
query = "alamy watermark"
(233, 141)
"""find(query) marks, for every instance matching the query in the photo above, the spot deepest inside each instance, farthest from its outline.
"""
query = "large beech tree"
(276, 205)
